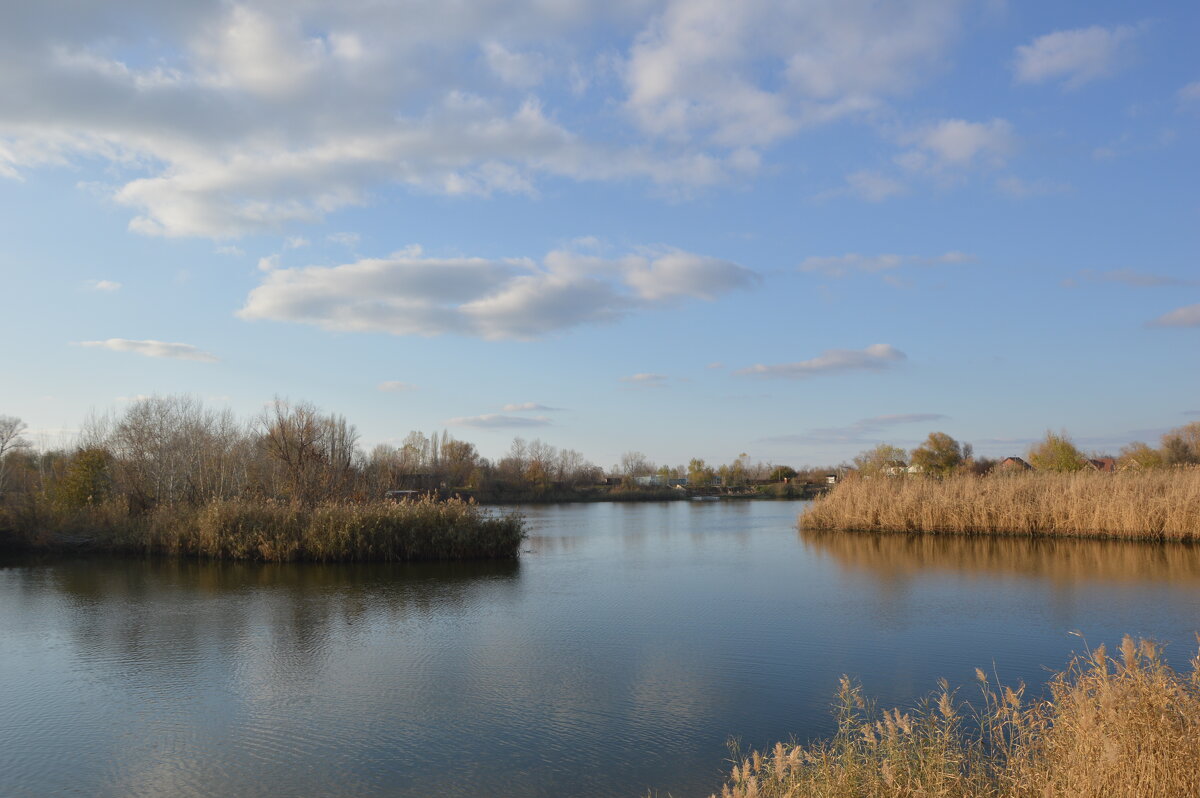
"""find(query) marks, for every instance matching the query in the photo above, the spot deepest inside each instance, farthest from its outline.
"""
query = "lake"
(618, 656)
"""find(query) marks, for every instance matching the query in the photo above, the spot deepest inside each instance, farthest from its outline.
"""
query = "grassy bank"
(1150, 505)
(274, 532)
(1126, 726)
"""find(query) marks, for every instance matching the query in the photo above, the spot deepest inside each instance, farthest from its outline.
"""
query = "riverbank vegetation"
(1147, 505)
(1121, 726)
(171, 476)
(160, 474)
(171, 456)
(271, 531)
(1145, 494)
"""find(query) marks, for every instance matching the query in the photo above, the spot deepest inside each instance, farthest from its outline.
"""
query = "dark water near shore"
(622, 651)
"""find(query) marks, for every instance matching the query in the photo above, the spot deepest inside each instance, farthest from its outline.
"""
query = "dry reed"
(1149, 505)
(240, 529)
(1126, 726)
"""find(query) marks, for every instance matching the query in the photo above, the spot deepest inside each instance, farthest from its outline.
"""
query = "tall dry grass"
(1126, 726)
(242, 529)
(1149, 505)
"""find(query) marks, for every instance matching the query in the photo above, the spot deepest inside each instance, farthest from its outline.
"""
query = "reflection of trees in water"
(172, 613)
(890, 555)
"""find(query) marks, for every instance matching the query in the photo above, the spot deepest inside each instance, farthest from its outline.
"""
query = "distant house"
(659, 481)
(899, 469)
(1013, 463)
(1106, 464)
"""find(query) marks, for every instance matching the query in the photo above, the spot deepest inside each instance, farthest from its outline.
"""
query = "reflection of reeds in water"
(1062, 560)
(1126, 726)
(1151, 505)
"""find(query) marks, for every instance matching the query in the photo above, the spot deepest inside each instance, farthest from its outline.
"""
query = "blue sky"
(685, 227)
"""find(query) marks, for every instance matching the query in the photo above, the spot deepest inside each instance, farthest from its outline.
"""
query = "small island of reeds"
(273, 531)
(1160, 504)
(1123, 726)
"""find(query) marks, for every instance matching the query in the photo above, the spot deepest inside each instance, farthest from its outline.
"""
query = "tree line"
(166, 450)
(941, 455)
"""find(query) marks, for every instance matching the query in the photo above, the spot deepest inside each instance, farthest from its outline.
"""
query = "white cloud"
(833, 361)
(296, 242)
(1075, 56)
(264, 115)
(749, 73)
(646, 380)
(523, 70)
(107, 286)
(349, 240)
(677, 274)
(1188, 316)
(528, 407)
(230, 250)
(497, 421)
(395, 386)
(228, 119)
(410, 294)
(154, 349)
(269, 262)
(872, 186)
(955, 144)
(841, 265)
(1190, 93)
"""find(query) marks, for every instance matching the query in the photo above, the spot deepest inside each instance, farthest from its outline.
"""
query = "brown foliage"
(1125, 726)
(1151, 505)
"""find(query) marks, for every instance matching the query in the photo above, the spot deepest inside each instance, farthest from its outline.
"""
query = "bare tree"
(172, 448)
(11, 440)
(635, 464)
(316, 452)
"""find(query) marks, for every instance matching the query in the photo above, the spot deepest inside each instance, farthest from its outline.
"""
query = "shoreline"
(266, 531)
(1151, 506)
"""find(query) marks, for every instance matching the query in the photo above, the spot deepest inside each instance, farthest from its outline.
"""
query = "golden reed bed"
(1125, 726)
(1148, 505)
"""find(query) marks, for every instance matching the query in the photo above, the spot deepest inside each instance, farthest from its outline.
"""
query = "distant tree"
(1181, 446)
(316, 452)
(940, 455)
(876, 461)
(536, 476)
(1056, 452)
(736, 473)
(980, 465)
(458, 460)
(781, 473)
(87, 481)
(635, 464)
(1140, 455)
(698, 473)
(10, 441)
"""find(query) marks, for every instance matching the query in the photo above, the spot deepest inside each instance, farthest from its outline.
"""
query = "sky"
(691, 228)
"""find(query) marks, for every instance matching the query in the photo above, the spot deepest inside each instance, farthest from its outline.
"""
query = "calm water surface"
(619, 655)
